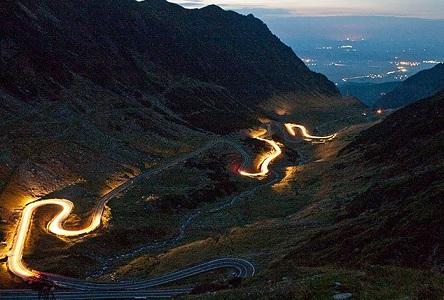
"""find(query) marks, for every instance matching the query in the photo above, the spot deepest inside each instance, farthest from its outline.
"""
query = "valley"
(153, 151)
(16, 265)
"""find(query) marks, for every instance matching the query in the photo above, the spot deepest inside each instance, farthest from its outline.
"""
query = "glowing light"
(308, 137)
(379, 111)
(281, 111)
(290, 175)
(409, 63)
(55, 226)
(308, 60)
(266, 160)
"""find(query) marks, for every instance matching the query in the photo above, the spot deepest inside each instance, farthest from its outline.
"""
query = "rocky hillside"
(391, 215)
(361, 219)
(199, 61)
(422, 85)
(372, 225)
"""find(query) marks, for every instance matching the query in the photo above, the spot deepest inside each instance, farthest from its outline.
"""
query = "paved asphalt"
(145, 289)
(80, 289)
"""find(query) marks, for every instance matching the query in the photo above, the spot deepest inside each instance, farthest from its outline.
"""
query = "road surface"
(266, 159)
(15, 258)
(306, 136)
(242, 267)
(85, 295)
(80, 289)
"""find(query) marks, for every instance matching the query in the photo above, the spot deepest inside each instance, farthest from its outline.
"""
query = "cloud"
(408, 8)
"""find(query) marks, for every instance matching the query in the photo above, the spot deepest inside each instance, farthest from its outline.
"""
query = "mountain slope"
(363, 216)
(111, 77)
(93, 93)
(368, 93)
(421, 85)
(147, 46)
(392, 212)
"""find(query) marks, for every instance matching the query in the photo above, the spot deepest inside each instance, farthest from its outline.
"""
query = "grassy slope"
(367, 218)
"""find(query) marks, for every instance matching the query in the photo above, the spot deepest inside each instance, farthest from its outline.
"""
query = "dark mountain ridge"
(421, 85)
(132, 47)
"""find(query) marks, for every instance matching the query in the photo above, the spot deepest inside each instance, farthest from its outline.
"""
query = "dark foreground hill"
(392, 214)
(421, 85)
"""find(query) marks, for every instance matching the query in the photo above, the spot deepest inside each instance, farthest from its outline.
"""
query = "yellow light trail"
(308, 137)
(268, 158)
(55, 226)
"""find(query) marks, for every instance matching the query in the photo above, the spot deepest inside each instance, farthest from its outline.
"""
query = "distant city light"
(309, 61)
(336, 64)
(409, 63)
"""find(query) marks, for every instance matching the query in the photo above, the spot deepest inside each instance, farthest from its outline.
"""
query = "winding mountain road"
(267, 159)
(143, 288)
(15, 258)
(80, 289)
(88, 295)
(307, 136)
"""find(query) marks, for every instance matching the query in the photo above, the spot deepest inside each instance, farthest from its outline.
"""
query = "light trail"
(55, 226)
(268, 158)
(306, 136)
(15, 257)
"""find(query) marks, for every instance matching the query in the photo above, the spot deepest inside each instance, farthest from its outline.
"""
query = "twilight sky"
(433, 9)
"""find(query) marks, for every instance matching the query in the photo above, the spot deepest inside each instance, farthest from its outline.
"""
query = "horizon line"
(291, 13)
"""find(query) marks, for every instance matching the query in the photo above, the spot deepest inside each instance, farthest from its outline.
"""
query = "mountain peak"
(112, 43)
(212, 7)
